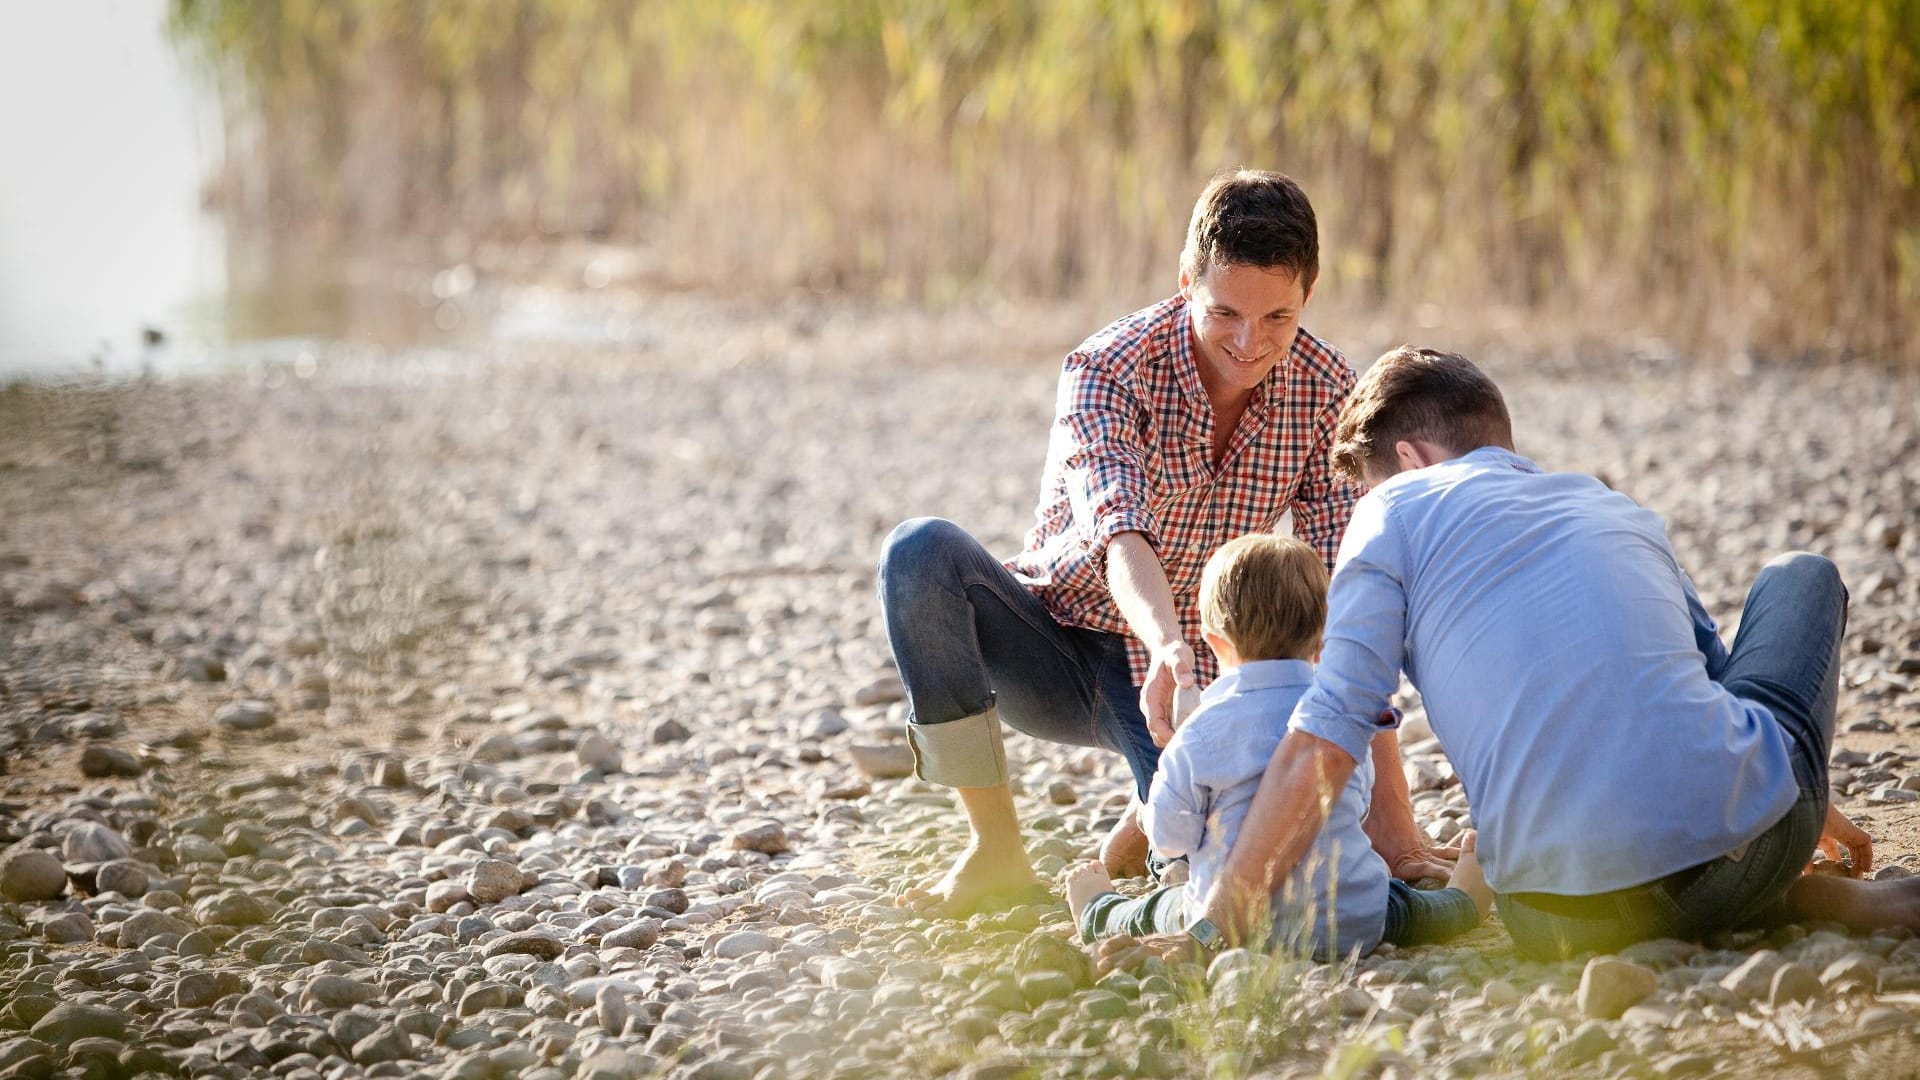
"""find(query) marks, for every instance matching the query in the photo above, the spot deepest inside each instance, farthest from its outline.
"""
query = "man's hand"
(1419, 861)
(1170, 668)
(1126, 953)
(1838, 833)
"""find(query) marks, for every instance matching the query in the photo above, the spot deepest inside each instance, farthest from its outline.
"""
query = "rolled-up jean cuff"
(968, 752)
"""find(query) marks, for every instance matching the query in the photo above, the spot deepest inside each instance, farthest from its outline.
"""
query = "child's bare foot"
(1467, 877)
(1084, 882)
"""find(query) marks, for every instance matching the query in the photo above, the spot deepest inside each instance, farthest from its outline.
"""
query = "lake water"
(109, 264)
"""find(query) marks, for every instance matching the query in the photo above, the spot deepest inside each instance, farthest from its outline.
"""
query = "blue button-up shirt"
(1208, 774)
(1566, 666)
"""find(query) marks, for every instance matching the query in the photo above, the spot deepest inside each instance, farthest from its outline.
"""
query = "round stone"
(29, 875)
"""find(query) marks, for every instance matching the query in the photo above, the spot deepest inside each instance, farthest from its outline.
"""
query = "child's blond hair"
(1267, 595)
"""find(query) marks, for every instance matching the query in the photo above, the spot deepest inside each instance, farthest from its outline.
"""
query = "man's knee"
(920, 551)
(1809, 571)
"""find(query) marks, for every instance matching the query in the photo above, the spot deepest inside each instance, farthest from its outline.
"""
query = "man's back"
(1557, 646)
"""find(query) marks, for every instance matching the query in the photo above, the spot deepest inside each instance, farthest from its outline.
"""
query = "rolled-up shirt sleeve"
(1351, 698)
(1175, 814)
(1323, 502)
(1102, 457)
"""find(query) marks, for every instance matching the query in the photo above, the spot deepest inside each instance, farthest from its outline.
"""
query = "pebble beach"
(526, 712)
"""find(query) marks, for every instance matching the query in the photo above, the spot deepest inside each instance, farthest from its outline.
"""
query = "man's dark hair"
(1424, 394)
(1252, 218)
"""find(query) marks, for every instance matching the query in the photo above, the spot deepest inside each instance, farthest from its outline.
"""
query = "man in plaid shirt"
(1204, 417)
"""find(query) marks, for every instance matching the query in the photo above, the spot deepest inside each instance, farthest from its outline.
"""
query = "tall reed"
(1733, 172)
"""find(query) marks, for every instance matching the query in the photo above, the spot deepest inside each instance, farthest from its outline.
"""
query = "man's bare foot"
(1084, 882)
(1124, 851)
(1468, 878)
(1861, 906)
(979, 881)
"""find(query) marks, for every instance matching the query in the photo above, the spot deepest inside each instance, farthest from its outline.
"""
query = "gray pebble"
(247, 714)
(493, 880)
(91, 842)
(70, 1021)
(30, 875)
(101, 760)
(1610, 986)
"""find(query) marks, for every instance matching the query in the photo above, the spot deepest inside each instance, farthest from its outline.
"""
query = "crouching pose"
(1263, 603)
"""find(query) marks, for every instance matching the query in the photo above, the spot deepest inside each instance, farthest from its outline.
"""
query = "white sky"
(104, 140)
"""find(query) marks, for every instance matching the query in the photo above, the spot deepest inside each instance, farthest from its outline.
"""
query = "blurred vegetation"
(1734, 172)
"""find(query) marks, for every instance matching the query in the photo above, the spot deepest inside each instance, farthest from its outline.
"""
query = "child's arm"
(1174, 816)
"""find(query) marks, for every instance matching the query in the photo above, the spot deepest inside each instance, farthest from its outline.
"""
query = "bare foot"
(1862, 906)
(1468, 878)
(979, 881)
(1084, 882)
(1124, 851)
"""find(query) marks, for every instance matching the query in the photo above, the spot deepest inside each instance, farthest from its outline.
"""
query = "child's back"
(1336, 902)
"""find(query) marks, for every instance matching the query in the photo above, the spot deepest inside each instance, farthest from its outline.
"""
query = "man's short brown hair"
(1267, 595)
(1252, 218)
(1417, 394)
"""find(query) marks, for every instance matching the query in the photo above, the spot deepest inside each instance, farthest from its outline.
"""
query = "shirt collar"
(1500, 455)
(1261, 675)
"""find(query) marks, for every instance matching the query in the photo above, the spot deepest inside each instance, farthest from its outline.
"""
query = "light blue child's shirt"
(1335, 902)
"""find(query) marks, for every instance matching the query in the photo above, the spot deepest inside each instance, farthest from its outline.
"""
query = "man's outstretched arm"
(1389, 822)
(1288, 811)
(1138, 582)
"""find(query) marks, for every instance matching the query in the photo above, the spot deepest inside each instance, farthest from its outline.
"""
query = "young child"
(1263, 605)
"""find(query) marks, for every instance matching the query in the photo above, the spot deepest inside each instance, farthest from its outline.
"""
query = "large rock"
(326, 992)
(247, 714)
(769, 838)
(123, 876)
(70, 1022)
(29, 875)
(1050, 952)
(881, 690)
(739, 944)
(102, 760)
(1610, 986)
(535, 943)
(1793, 982)
(1753, 979)
(231, 908)
(92, 842)
(893, 761)
(639, 934)
(596, 751)
(493, 880)
(146, 924)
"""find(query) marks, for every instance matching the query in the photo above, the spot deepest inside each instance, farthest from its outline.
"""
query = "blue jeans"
(1413, 917)
(973, 642)
(1787, 658)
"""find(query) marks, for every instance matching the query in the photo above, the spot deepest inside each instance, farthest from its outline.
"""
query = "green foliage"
(1724, 170)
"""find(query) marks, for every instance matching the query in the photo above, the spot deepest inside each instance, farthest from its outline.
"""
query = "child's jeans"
(1413, 917)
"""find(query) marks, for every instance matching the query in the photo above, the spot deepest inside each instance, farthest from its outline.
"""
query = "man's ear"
(1186, 283)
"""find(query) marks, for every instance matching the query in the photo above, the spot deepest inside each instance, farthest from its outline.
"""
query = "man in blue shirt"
(1630, 777)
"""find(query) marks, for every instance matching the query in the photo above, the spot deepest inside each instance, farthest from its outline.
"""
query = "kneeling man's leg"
(966, 632)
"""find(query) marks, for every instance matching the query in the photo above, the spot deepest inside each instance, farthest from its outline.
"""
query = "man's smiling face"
(1244, 322)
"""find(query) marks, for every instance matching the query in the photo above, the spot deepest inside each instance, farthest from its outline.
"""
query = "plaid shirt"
(1129, 453)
